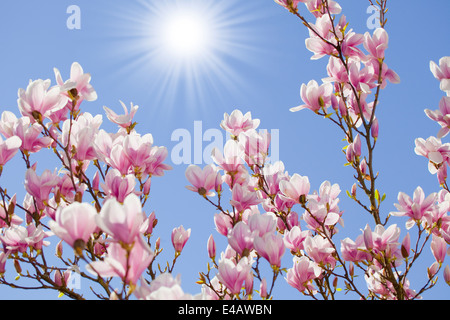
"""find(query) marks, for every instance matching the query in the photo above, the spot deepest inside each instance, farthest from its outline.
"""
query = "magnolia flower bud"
(263, 289)
(157, 244)
(179, 238)
(58, 278)
(447, 274)
(351, 269)
(59, 249)
(406, 246)
(147, 185)
(354, 190)
(211, 247)
(374, 129)
(432, 270)
(17, 266)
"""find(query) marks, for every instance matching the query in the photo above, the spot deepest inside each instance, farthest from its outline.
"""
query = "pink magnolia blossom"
(61, 279)
(415, 208)
(154, 165)
(40, 187)
(179, 238)
(121, 221)
(273, 175)
(354, 106)
(118, 186)
(441, 116)
(350, 43)
(355, 251)
(292, 220)
(376, 44)
(233, 275)
(319, 215)
(296, 189)
(262, 224)
(317, 8)
(164, 287)
(8, 149)
(7, 124)
(19, 238)
(216, 289)
(386, 74)
(124, 120)
(242, 198)
(81, 135)
(60, 115)
(435, 151)
(255, 146)
(328, 193)
(302, 274)
(383, 240)
(78, 80)
(236, 123)
(271, 247)
(118, 160)
(377, 283)
(314, 96)
(65, 188)
(103, 144)
(137, 148)
(438, 248)
(224, 223)
(231, 158)
(128, 266)
(336, 71)
(30, 136)
(294, 239)
(203, 180)
(13, 219)
(148, 224)
(39, 101)
(231, 161)
(74, 223)
(361, 79)
(442, 73)
(290, 4)
(241, 238)
(320, 250)
(315, 44)
(437, 219)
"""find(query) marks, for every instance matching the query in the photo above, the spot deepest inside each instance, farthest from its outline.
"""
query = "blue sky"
(258, 64)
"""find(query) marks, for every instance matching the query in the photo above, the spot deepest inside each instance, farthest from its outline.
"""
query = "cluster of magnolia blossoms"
(253, 234)
(352, 76)
(93, 203)
(438, 153)
(260, 220)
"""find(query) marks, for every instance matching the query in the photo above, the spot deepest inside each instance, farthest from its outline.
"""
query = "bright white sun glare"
(186, 34)
(184, 48)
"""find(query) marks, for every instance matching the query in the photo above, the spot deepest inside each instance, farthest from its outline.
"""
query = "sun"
(186, 35)
(184, 49)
